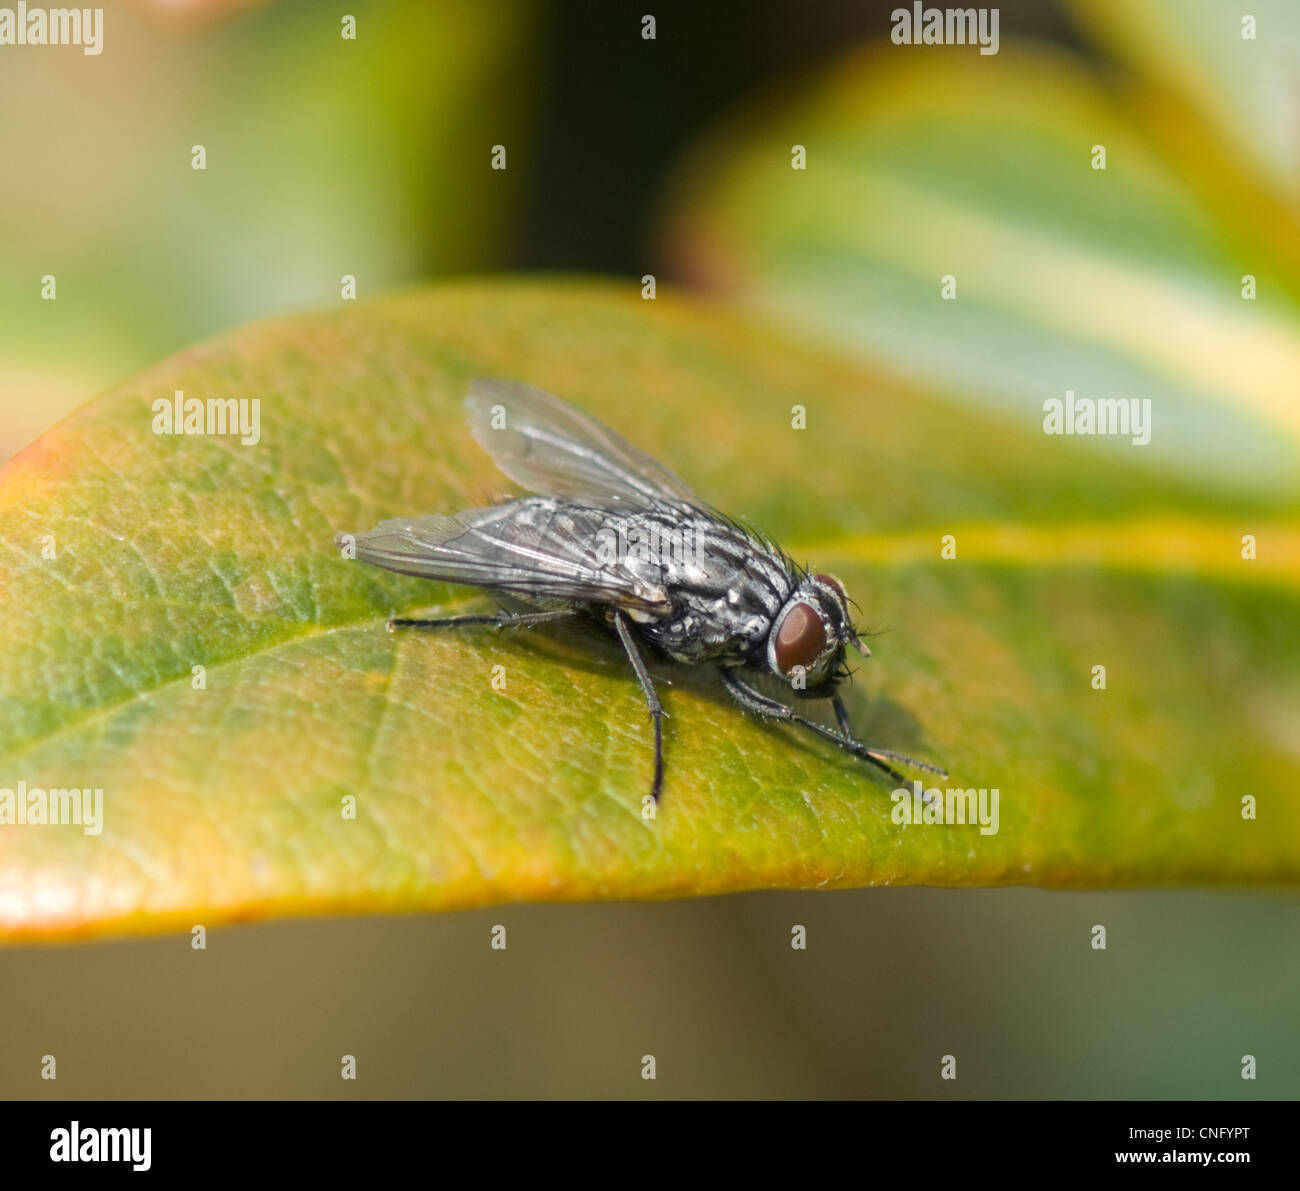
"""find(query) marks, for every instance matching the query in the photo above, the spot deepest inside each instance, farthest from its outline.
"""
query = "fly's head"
(806, 644)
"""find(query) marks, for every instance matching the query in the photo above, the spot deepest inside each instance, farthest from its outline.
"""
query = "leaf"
(1235, 69)
(226, 802)
(1114, 283)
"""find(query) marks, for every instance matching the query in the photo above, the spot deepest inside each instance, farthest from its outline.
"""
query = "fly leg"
(846, 729)
(772, 709)
(842, 715)
(502, 620)
(656, 709)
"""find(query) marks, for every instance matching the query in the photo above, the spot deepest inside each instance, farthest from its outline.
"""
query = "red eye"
(800, 638)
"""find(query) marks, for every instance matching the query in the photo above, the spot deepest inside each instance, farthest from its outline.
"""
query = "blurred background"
(366, 157)
(369, 158)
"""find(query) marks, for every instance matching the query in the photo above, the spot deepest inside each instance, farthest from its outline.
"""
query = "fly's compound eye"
(800, 638)
(834, 584)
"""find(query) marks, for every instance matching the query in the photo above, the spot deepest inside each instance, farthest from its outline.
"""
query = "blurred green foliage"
(1006, 229)
(325, 157)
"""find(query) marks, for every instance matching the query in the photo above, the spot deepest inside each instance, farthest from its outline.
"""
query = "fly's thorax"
(806, 644)
(668, 544)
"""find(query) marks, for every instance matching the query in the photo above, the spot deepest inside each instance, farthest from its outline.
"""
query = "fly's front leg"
(846, 727)
(501, 620)
(773, 709)
(652, 703)
(842, 715)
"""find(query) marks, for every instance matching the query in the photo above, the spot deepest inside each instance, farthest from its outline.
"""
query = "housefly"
(614, 536)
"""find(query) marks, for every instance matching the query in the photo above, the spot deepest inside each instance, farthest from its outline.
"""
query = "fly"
(614, 536)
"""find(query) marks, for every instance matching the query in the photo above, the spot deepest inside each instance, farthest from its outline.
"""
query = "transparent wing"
(548, 446)
(531, 548)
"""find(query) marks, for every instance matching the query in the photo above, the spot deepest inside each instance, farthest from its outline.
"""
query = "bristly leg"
(655, 708)
(500, 620)
(773, 709)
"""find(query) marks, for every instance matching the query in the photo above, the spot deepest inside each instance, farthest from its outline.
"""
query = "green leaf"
(127, 558)
(1121, 282)
(1235, 68)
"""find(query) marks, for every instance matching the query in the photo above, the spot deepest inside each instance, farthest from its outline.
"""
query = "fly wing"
(531, 548)
(548, 446)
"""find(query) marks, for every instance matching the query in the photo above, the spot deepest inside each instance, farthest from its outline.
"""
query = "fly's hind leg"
(501, 620)
(652, 703)
(773, 709)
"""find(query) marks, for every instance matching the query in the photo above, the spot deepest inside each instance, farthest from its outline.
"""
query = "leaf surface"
(224, 800)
